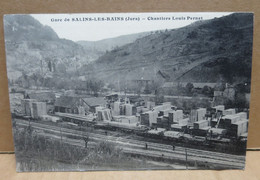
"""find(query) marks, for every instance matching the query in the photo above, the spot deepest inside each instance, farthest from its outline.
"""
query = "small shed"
(93, 102)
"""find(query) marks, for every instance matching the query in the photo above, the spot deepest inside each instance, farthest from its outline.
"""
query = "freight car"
(76, 118)
(125, 127)
(173, 136)
(21, 116)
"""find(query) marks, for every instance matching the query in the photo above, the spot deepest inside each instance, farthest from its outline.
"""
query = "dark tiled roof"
(72, 101)
(67, 101)
(95, 101)
(42, 96)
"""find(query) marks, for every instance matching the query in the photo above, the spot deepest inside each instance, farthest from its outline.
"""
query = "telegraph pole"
(186, 154)
(60, 135)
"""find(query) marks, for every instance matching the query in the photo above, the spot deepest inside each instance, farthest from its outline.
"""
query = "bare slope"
(98, 48)
(34, 48)
(208, 51)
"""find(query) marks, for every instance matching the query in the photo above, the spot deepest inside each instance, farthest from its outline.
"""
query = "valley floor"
(46, 147)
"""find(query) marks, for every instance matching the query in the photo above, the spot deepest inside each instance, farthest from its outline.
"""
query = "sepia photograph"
(129, 91)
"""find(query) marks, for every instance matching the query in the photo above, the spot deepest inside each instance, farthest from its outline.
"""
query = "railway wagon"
(125, 127)
(21, 116)
(77, 119)
(173, 136)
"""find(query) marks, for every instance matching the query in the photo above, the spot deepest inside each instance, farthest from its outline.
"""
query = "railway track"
(137, 146)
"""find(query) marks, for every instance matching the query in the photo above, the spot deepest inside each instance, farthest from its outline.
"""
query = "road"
(165, 96)
(137, 147)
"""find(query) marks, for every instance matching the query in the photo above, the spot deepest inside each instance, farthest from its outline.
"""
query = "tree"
(220, 86)
(25, 80)
(147, 89)
(189, 88)
(35, 79)
(207, 90)
(111, 86)
(94, 86)
(192, 35)
(86, 140)
(50, 66)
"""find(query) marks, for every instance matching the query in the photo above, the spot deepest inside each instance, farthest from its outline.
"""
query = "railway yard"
(161, 136)
(135, 146)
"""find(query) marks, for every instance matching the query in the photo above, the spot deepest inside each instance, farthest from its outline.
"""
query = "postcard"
(129, 91)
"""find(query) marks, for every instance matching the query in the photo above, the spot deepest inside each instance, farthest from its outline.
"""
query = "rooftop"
(42, 96)
(67, 101)
(95, 101)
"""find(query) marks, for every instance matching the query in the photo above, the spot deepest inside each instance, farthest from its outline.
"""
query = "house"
(112, 97)
(184, 84)
(93, 102)
(228, 93)
(70, 104)
(47, 97)
(78, 104)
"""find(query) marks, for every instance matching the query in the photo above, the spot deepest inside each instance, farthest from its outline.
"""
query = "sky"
(94, 27)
